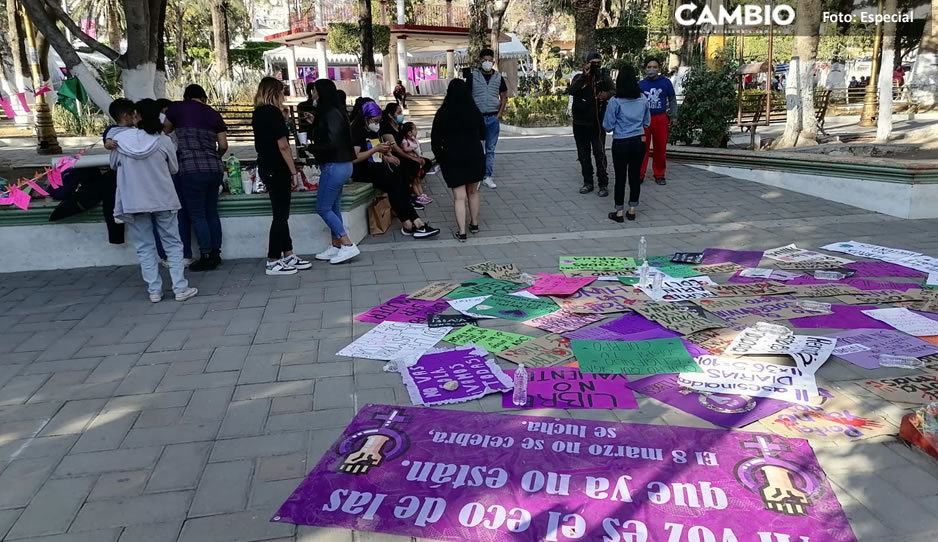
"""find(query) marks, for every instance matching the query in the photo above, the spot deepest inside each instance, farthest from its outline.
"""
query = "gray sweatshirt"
(145, 165)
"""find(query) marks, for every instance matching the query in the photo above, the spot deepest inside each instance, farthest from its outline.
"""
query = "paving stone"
(227, 358)
(7, 518)
(274, 389)
(106, 431)
(250, 447)
(52, 509)
(189, 354)
(119, 484)
(318, 419)
(295, 403)
(56, 446)
(112, 368)
(133, 511)
(150, 400)
(222, 489)
(108, 461)
(160, 417)
(175, 434)
(307, 533)
(102, 535)
(141, 380)
(245, 418)
(270, 495)
(19, 389)
(22, 478)
(73, 417)
(152, 532)
(181, 368)
(19, 430)
(280, 467)
(199, 381)
(238, 527)
(207, 405)
(179, 467)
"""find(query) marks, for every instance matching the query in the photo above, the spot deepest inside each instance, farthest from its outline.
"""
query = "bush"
(537, 111)
(709, 106)
(90, 122)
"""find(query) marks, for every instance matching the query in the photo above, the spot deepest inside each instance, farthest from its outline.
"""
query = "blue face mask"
(399, 119)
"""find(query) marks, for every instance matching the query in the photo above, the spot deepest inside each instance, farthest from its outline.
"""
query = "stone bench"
(31, 242)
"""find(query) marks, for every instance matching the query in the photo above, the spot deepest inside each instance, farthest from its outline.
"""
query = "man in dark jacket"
(590, 91)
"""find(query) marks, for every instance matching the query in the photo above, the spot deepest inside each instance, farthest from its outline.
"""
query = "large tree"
(888, 48)
(478, 27)
(111, 11)
(221, 67)
(585, 13)
(801, 125)
(498, 18)
(369, 76)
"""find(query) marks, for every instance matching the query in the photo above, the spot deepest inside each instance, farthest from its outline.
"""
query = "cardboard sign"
(463, 305)
(511, 307)
(756, 379)
(748, 290)
(810, 265)
(915, 389)
(792, 254)
(835, 419)
(450, 320)
(491, 339)
(574, 273)
(866, 250)
(717, 408)
(402, 309)
(562, 321)
(602, 299)
(657, 356)
(882, 269)
(681, 289)
(547, 284)
(676, 318)
(499, 271)
(476, 376)
(434, 291)
(395, 341)
(824, 290)
(715, 340)
(718, 268)
(483, 286)
(905, 321)
(929, 302)
(809, 352)
(567, 387)
(743, 311)
(862, 347)
(879, 297)
(595, 263)
(541, 352)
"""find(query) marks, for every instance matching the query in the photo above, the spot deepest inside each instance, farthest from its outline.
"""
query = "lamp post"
(868, 116)
(45, 130)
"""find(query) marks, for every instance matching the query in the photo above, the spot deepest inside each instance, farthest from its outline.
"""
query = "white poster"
(808, 351)
(395, 341)
(738, 376)
(905, 321)
(866, 250)
(463, 305)
(920, 262)
(791, 253)
(680, 289)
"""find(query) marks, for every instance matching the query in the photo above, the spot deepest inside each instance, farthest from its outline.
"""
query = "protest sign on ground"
(862, 347)
(544, 351)
(512, 307)
(905, 321)
(748, 290)
(757, 379)
(434, 291)
(547, 284)
(718, 268)
(809, 352)
(680, 289)
(879, 297)
(602, 298)
(567, 387)
(866, 250)
(824, 290)
(792, 254)
(483, 286)
(743, 311)
(835, 418)
(500, 271)
(714, 340)
(561, 321)
(451, 320)
(916, 389)
(676, 318)
(475, 376)
(492, 340)
(656, 356)
(395, 341)
(595, 263)
(745, 258)
(402, 309)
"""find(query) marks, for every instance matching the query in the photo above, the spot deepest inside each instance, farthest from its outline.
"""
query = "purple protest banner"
(403, 309)
(451, 475)
(862, 347)
(631, 323)
(566, 387)
(843, 317)
(474, 375)
(882, 269)
(745, 258)
(721, 409)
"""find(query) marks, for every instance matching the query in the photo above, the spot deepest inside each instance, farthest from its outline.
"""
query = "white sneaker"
(347, 252)
(489, 182)
(295, 261)
(187, 294)
(327, 254)
(156, 298)
(279, 268)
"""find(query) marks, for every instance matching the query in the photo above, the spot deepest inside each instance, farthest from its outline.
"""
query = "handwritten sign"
(878, 297)
(463, 305)
(809, 352)
(595, 263)
(755, 379)
(862, 347)
(541, 352)
(567, 387)
(451, 320)
(676, 318)
(810, 265)
(402, 309)
(715, 340)
(500, 271)
(434, 291)
(866, 250)
(835, 419)
(546, 284)
(395, 341)
(905, 321)
(824, 290)
(905, 389)
(747, 290)
(492, 340)
(561, 321)
(574, 273)
(929, 302)
(882, 269)
(602, 299)
(476, 376)
(792, 254)
(680, 289)
(718, 268)
(749, 310)
(483, 286)
(657, 356)
(920, 262)
(511, 307)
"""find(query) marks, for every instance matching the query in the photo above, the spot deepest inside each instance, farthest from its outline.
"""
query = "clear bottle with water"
(643, 275)
(829, 275)
(657, 282)
(642, 249)
(519, 395)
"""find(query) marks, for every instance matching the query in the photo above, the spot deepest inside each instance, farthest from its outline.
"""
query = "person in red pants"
(663, 105)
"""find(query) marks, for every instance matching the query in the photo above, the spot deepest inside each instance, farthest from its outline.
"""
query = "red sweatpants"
(657, 136)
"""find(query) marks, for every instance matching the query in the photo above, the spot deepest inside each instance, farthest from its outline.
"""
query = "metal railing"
(446, 14)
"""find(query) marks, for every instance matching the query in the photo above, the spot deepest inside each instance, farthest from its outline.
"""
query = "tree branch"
(76, 30)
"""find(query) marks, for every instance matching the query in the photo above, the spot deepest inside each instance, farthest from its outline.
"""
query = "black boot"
(216, 257)
(603, 191)
(586, 188)
(205, 263)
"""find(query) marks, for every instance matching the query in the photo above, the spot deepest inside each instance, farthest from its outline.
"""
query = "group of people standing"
(638, 113)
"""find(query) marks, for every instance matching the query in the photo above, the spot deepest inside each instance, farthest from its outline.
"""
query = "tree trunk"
(923, 82)
(886, 67)
(478, 24)
(222, 68)
(369, 77)
(159, 81)
(801, 125)
(113, 26)
(498, 17)
(585, 13)
(180, 39)
(17, 48)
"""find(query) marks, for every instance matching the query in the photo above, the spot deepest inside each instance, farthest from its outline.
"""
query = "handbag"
(379, 216)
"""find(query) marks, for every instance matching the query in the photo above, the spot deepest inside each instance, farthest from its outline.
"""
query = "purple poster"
(843, 317)
(403, 309)
(717, 408)
(632, 323)
(428, 382)
(745, 258)
(567, 387)
(451, 475)
(862, 347)
(882, 269)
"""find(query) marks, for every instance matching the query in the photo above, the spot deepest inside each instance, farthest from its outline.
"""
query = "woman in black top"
(278, 171)
(332, 147)
(456, 139)
(392, 132)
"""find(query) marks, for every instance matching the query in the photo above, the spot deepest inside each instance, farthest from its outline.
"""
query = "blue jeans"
(492, 128)
(329, 198)
(200, 199)
(185, 227)
(144, 229)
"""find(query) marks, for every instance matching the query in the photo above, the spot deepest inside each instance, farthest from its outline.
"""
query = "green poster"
(491, 339)
(657, 356)
(596, 263)
(484, 286)
(631, 281)
(679, 271)
(513, 307)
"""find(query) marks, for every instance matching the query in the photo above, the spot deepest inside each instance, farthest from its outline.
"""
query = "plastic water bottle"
(642, 249)
(643, 275)
(233, 165)
(519, 396)
(902, 362)
(814, 306)
(658, 282)
(829, 275)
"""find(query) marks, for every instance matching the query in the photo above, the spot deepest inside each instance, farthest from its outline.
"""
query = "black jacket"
(584, 87)
(332, 139)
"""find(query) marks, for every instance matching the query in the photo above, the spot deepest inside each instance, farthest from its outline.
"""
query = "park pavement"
(122, 420)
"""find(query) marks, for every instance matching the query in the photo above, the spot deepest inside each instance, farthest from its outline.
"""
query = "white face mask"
(162, 118)
(487, 65)
(373, 126)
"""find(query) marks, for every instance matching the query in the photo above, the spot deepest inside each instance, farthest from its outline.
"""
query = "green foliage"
(91, 121)
(251, 54)
(345, 39)
(533, 111)
(620, 40)
(109, 74)
(709, 105)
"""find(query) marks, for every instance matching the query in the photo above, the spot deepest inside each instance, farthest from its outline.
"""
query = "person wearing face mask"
(663, 105)
(591, 91)
(490, 93)
(392, 132)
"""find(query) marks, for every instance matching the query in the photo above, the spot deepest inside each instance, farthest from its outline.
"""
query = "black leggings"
(279, 190)
(627, 157)
(392, 182)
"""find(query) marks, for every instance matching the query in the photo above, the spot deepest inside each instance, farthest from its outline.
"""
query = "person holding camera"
(591, 91)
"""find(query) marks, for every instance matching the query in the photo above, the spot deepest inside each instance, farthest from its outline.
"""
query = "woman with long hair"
(332, 147)
(627, 116)
(278, 172)
(456, 139)
(392, 132)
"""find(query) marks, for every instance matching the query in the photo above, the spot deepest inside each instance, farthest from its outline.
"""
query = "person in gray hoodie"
(145, 161)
